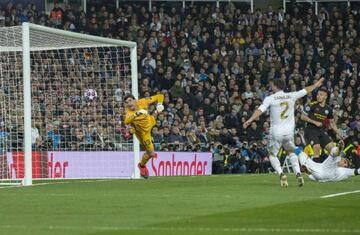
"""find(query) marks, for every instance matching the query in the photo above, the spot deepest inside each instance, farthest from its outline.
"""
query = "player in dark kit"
(319, 117)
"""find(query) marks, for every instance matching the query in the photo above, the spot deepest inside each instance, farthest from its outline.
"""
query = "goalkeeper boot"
(143, 171)
(300, 180)
(153, 155)
(283, 180)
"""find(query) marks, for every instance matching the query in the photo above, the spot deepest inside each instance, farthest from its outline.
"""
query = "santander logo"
(177, 166)
(57, 169)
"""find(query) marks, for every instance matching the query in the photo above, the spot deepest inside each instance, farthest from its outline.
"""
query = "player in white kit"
(332, 169)
(282, 125)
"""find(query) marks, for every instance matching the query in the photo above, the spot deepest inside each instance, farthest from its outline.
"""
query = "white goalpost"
(61, 105)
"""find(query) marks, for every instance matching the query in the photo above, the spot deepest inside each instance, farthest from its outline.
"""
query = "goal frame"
(26, 49)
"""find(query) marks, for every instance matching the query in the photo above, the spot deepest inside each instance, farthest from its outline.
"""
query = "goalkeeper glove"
(131, 129)
(141, 111)
(160, 107)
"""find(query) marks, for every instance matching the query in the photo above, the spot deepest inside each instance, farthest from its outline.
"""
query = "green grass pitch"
(226, 204)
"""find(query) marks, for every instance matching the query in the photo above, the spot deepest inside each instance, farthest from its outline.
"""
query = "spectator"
(176, 90)
(53, 135)
(147, 69)
(232, 120)
(254, 133)
(213, 69)
(175, 135)
(56, 15)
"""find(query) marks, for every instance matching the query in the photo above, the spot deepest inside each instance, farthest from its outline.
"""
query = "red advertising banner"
(39, 165)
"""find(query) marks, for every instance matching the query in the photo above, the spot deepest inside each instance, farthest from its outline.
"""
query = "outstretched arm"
(262, 108)
(317, 84)
(255, 115)
(299, 94)
(345, 173)
(309, 120)
(159, 98)
(129, 118)
(336, 129)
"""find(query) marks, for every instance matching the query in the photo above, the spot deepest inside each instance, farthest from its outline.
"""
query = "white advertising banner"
(76, 165)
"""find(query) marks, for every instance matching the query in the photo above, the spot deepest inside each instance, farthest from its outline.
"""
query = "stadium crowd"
(214, 67)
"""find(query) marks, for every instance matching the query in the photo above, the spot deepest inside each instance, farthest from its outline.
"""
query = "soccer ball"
(90, 94)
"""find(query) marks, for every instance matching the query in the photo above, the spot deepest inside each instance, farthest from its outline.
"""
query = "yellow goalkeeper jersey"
(143, 123)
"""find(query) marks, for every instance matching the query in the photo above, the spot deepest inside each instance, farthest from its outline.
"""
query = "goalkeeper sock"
(145, 158)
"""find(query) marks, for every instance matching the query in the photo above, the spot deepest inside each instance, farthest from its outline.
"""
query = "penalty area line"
(340, 194)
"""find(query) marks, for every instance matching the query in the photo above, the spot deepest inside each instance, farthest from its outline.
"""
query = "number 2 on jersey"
(283, 114)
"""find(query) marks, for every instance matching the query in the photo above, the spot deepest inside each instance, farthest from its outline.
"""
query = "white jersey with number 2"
(282, 111)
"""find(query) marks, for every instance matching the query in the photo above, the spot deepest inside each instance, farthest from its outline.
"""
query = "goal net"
(61, 105)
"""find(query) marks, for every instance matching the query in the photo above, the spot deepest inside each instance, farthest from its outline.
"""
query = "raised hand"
(159, 107)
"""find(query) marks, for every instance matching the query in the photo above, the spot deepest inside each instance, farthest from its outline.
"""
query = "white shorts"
(277, 141)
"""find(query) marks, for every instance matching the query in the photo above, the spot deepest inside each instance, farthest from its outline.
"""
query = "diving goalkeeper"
(138, 117)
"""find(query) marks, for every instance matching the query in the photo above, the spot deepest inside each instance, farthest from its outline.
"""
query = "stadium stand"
(213, 67)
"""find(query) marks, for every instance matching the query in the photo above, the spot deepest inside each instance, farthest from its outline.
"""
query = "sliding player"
(334, 168)
(282, 125)
(318, 116)
(142, 122)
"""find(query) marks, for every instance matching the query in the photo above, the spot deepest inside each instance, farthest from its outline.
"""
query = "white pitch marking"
(340, 194)
(60, 182)
(13, 186)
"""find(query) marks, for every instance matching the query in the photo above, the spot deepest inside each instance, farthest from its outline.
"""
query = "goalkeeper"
(142, 122)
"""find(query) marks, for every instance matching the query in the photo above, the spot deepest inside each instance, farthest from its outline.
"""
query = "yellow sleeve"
(159, 98)
(129, 118)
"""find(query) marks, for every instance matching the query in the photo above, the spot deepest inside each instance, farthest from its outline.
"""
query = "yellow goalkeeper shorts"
(146, 140)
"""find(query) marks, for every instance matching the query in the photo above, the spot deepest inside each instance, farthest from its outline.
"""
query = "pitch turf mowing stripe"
(310, 214)
(229, 205)
(340, 194)
(200, 229)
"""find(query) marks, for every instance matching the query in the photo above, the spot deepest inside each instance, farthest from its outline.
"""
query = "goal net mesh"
(77, 87)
